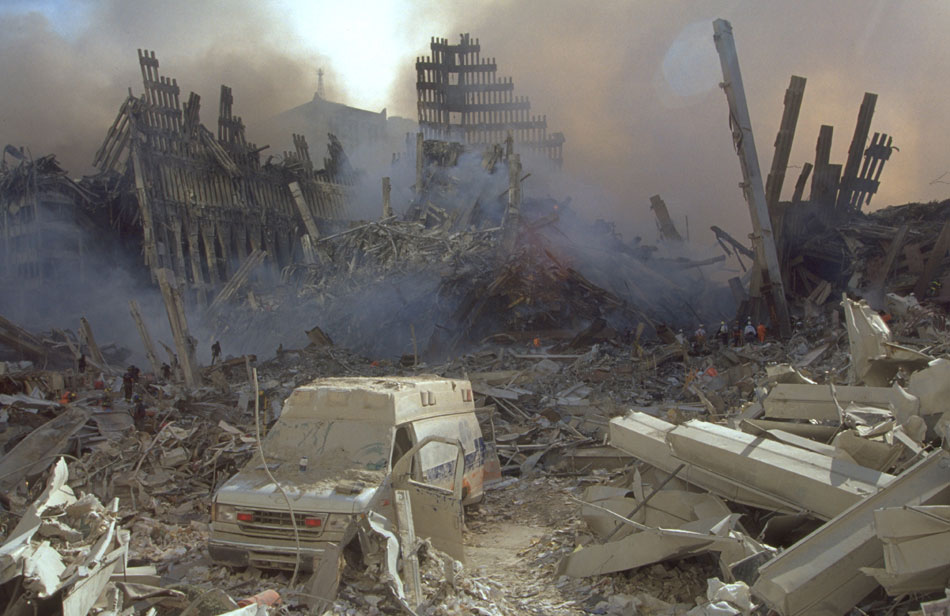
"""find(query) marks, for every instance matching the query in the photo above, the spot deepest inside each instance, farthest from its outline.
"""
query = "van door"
(436, 511)
(437, 460)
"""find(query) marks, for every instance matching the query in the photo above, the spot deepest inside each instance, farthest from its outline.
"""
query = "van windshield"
(329, 444)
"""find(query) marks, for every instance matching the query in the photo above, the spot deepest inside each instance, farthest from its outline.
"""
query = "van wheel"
(353, 555)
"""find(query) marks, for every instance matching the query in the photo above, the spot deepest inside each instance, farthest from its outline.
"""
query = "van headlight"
(337, 522)
(223, 513)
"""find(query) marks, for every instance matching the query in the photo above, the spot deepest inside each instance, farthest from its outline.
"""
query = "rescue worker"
(760, 330)
(215, 352)
(128, 383)
(700, 337)
(749, 332)
(139, 414)
(724, 333)
(736, 334)
(82, 363)
(166, 372)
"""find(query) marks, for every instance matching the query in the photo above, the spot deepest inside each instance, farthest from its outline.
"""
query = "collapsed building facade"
(202, 203)
(461, 98)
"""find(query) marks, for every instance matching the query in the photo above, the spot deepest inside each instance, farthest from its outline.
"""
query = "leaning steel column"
(765, 252)
(387, 205)
(511, 223)
(420, 162)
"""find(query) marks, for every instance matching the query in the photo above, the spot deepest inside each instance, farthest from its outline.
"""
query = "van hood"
(348, 491)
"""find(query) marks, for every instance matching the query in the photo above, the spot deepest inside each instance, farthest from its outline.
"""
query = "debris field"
(672, 436)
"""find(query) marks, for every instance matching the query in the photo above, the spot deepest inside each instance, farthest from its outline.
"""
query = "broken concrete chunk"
(821, 573)
(734, 598)
(874, 358)
(916, 547)
(174, 457)
(877, 455)
(649, 546)
(784, 373)
(932, 386)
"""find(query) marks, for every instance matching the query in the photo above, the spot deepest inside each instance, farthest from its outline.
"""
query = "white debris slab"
(811, 481)
(916, 548)
(874, 358)
(821, 574)
(797, 401)
(644, 437)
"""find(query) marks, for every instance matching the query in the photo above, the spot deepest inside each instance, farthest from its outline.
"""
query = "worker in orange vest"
(760, 330)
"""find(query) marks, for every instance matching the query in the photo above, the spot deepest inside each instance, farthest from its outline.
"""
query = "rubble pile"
(433, 290)
(866, 251)
(733, 461)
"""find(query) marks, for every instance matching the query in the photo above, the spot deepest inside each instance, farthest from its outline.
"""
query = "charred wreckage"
(474, 347)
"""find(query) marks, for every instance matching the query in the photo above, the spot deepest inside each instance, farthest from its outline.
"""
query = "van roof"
(393, 400)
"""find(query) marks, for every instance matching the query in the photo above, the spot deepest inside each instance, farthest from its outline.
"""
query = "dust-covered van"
(331, 449)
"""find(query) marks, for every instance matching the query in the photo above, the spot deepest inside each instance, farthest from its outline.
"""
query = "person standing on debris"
(81, 364)
(166, 372)
(749, 332)
(139, 414)
(215, 352)
(760, 330)
(736, 334)
(263, 405)
(128, 382)
(700, 336)
(724, 333)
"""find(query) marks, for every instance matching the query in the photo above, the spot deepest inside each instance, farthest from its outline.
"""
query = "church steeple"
(321, 93)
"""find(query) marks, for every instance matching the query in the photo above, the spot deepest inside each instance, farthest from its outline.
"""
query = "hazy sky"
(633, 85)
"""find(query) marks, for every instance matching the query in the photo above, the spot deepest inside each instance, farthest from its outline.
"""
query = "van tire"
(353, 555)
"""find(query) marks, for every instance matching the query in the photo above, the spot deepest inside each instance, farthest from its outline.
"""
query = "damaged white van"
(331, 450)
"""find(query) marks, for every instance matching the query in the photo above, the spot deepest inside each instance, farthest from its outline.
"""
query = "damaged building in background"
(48, 224)
(196, 202)
(370, 137)
(203, 202)
(460, 98)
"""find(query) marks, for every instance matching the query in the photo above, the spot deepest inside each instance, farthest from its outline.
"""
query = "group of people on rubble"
(133, 387)
(724, 335)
